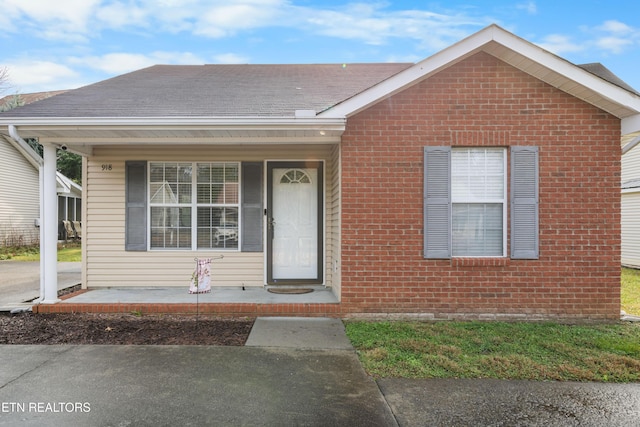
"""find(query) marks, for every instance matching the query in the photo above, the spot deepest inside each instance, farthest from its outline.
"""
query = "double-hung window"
(193, 205)
(465, 202)
(478, 200)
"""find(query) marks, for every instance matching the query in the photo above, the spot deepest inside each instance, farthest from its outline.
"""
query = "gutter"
(22, 145)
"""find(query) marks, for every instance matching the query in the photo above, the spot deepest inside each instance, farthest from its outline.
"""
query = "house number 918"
(107, 167)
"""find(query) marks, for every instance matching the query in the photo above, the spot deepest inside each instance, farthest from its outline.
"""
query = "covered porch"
(318, 301)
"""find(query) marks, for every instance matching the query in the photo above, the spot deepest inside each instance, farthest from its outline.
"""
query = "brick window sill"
(480, 262)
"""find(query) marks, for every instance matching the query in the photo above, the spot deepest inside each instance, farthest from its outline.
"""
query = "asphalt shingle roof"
(215, 91)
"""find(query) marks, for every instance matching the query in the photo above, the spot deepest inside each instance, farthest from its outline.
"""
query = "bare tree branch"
(4, 80)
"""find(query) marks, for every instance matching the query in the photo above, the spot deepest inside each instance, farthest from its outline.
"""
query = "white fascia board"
(477, 42)
(175, 122)
(631, 125)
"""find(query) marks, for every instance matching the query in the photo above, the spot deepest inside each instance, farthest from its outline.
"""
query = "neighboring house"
(20, 195)
(631, 208)
(482, 182)
(630, 198)
(20, 182)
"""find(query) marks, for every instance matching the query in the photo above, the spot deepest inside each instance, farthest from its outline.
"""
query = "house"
(481, 182)
(631, 205)
(19, 177)
(20, 198)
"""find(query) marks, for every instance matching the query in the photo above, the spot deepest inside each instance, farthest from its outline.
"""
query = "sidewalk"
(292, 371)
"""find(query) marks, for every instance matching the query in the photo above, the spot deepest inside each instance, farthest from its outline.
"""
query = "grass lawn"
(630, 291)
(531, 351)
(70, 252)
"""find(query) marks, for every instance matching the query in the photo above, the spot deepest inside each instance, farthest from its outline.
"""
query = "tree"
(4, 79)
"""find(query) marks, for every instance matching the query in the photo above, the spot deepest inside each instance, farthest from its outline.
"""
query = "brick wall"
(481, 102)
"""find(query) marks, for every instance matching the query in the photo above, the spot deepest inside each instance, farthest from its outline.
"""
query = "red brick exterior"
(482, 101)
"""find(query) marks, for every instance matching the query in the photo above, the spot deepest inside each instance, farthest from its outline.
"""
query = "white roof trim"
(191, 122)
(519, 53)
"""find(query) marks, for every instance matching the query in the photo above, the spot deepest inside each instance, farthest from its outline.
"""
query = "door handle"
(271, 224)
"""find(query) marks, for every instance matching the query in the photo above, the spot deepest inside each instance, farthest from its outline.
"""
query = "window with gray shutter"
(136, 205)
(252, 214)
(437, 202)
(524, 203)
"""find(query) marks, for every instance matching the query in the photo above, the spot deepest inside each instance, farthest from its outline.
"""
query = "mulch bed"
(89, 328)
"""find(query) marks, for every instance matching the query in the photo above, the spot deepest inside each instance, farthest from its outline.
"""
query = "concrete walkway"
(292, 371)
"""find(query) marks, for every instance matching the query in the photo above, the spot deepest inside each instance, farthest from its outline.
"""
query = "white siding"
(108, 264)
(19, 197)
(631, 165)
(631, 229)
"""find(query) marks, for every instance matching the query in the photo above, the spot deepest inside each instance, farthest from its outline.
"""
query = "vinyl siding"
(631, 229)
(631, 165)
(107, 262)
(19, 198)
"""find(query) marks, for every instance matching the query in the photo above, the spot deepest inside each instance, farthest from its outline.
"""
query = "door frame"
(271, 165)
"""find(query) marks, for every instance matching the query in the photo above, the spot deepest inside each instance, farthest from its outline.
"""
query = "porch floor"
(218, 295)
(222, 301)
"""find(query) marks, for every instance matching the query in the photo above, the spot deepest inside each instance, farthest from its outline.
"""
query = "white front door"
(294, 204)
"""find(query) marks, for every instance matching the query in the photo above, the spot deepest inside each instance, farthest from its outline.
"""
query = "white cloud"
(119, 63)
(616, 27)
(231, 58)
(42, 76)
(560, 44)
(374, 25)
(530, 7)
(120, 15)
(225, 20)
(60, 20)
(614, 45)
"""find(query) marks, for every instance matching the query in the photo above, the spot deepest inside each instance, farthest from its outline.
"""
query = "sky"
(54, 45)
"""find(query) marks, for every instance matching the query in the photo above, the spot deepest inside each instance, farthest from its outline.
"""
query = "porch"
(221, 301)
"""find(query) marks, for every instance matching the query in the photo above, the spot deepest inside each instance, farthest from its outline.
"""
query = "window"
(478, 200)
(193, 206)
(218, 189)
(208, 198)
(465, 207)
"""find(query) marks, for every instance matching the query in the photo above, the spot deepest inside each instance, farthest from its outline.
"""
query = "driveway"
(20, 280)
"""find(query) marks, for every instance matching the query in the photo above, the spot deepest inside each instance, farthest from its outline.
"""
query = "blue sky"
(64, 44)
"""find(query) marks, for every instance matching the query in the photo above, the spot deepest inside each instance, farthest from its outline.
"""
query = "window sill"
(480, 262)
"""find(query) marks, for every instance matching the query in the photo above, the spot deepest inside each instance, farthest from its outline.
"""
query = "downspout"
(48, 228)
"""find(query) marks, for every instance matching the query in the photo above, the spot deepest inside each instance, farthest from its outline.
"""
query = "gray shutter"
(252, 215)
(135, 205)
(437, 202)
(524, 203)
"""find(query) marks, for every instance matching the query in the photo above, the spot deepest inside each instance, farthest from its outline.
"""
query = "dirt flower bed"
(28, 328)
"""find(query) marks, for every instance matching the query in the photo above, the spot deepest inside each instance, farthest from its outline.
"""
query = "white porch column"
(49, 223)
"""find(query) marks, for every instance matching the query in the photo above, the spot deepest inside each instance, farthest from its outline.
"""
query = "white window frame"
(457, 199)
(194, 205)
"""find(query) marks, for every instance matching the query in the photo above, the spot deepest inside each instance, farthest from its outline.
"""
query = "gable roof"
(215, 91)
